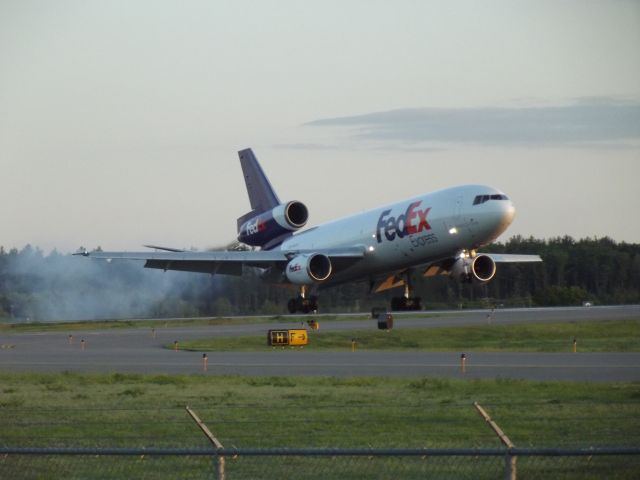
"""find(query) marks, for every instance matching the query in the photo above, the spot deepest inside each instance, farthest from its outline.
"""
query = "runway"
(136, 350)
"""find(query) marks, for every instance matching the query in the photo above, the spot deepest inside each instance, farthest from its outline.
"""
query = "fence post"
(219, 462)
(510, 460)
(510, 466)
(219, 459)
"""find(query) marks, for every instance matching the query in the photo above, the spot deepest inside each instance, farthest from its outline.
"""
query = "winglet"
(262, 197)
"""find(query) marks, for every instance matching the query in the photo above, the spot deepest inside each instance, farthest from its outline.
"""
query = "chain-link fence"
(233, 464)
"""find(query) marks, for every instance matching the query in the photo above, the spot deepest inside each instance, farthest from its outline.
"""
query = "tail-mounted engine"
(478, 269)
(265, 229)
(309, 268)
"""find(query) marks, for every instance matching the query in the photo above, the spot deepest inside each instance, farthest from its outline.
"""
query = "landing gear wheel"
(313, 304)
(303, 305)
(406, 304)
(292, 306)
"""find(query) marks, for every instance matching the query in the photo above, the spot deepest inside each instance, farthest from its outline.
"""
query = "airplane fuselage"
(415, 231)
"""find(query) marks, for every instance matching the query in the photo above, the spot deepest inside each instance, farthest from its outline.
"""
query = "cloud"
(307, 146)
(588, 120)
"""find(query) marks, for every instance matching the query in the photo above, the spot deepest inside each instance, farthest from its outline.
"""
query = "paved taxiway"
(135, 350)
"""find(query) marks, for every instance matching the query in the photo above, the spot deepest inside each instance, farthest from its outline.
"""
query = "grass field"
(90, 410)
(160, 323)
(131, 410)
(592, 336)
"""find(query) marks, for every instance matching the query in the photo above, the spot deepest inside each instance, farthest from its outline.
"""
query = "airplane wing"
(225, 262)
(443, 267)
(166, 249)
(512, 258)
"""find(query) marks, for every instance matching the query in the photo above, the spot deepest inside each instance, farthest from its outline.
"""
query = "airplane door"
(464, 222)
(455, 219)
(457, 208)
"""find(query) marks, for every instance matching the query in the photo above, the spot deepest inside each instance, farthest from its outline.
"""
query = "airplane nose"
(502, 214)
(507, 214)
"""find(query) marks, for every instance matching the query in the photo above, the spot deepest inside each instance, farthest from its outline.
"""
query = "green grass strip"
(135, 410)
(162, 323)
(591, 336)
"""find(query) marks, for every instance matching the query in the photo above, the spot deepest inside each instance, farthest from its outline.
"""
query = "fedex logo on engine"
(412, 221)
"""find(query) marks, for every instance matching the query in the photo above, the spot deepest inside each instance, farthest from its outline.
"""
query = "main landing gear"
(407, 302)
(302, 303)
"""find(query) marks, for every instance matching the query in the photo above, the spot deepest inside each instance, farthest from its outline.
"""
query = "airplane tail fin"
(262, 197)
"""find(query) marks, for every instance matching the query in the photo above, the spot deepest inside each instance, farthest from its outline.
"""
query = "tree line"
(55, 286)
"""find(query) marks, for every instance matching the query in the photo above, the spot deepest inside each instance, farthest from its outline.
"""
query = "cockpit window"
(484, 198)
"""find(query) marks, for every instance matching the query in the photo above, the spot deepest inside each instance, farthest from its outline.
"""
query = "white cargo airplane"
(433, 234)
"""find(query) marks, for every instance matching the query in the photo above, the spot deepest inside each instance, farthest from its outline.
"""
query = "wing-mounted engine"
(271, 227)
(478, 269)
(307, 269)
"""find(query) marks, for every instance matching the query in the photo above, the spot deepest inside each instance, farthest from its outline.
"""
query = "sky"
(120, 121)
